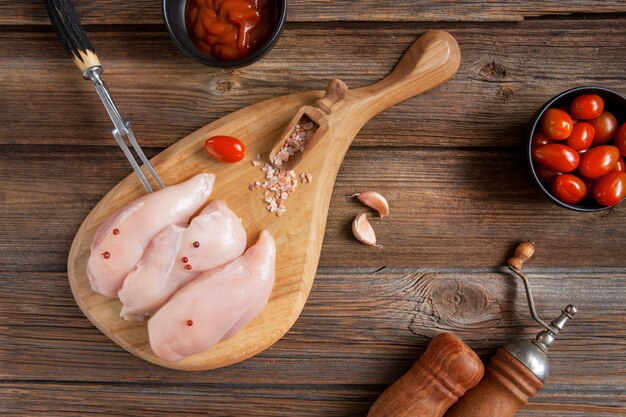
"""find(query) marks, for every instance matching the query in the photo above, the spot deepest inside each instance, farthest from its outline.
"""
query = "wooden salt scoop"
(318, 115)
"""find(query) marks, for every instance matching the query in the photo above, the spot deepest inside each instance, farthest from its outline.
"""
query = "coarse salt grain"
(305, 178)
(278, 187)
(296, 141)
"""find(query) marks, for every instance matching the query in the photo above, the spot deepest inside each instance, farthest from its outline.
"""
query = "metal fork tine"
(142, 156)
(122, 128)
(120, 141)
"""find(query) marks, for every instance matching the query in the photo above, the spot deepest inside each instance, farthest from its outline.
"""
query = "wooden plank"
(506, 74)
(43, 399)
(449, 208)
(115, 12)
(359, 331)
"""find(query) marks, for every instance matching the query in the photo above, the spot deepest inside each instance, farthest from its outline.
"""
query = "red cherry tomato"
(556, 157)
(620, 139)
(610, 189)
(556, 124)
(545, 175)
(598, 161)
(225, 148)
(605, 126)
(620, 166)
(540, 139)
(569, 189)
(587, 106)
(581, 137)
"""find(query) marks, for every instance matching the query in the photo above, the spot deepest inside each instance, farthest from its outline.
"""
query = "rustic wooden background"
(450, 162)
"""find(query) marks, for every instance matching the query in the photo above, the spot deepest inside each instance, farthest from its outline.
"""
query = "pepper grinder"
(519, 370)
(442, 374)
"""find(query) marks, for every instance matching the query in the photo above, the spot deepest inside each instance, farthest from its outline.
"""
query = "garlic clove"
(363, 231)
(374, 200)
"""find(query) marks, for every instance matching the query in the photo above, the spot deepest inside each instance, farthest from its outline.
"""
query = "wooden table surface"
(450, 162)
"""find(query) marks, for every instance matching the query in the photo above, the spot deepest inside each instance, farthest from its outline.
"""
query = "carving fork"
(72, 35)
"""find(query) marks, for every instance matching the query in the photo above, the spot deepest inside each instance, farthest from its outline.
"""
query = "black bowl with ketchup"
(225, 33)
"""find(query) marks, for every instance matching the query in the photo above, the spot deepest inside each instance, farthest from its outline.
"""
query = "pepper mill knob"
(524, 252)
(545, 338)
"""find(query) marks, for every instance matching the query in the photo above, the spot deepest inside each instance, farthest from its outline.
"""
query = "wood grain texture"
(359, 331)
(448, 161)
(430, 61)
(24, 12)
(33, 399)
(507, 73)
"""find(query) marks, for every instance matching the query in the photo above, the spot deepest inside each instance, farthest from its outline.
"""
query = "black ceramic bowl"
(614, 102)
(174, 15)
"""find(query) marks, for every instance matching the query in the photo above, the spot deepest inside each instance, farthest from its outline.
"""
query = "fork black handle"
(71, 33)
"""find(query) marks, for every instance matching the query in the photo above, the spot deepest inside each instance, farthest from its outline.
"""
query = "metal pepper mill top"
(533, 353)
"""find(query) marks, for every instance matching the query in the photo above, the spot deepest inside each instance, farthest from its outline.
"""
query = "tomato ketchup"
(229, 29)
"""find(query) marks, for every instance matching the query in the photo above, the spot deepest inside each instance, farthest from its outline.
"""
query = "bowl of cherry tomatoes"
(577, 146)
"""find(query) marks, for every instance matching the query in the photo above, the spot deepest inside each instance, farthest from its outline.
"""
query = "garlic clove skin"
(363, 231)
(374, 200)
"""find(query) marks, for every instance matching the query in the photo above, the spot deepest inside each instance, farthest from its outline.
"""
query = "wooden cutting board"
(430, 61)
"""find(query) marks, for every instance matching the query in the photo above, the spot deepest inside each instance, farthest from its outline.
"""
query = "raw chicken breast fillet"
(214, 238)
(143, 288)
(215, 305)
(121, 240)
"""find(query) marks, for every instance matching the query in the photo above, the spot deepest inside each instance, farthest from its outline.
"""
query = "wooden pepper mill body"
(507, 386)
(443, 373)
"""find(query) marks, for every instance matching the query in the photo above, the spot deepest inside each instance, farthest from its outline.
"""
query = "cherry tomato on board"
(556, 157)
(569, 189)
(605, 126)
(610, 189)
(598, 161)
(545, 175)
(556, 124)
(225, 148)
(620, 166)
(587, 106)
(581, 137)
(620, 139)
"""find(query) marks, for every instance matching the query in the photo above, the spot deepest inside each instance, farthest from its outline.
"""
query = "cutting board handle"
(432, 60)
